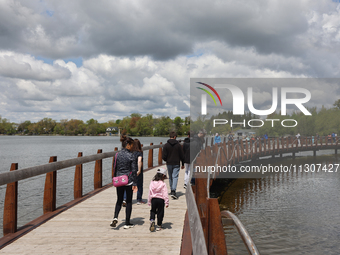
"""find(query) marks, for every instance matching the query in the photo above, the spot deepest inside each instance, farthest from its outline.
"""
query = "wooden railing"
(203, 229)
(49, 198)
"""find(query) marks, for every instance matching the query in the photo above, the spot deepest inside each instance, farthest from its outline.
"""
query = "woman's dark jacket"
(126, 163)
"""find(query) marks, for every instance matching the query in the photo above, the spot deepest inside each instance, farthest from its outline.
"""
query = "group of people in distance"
(129, 161)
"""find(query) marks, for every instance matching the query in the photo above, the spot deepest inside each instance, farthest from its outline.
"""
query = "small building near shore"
(112, 131)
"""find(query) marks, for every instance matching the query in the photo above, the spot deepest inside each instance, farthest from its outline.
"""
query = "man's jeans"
(173, 171)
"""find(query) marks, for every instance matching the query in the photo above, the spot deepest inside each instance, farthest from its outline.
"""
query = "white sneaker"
(129, 226)
(114, 222)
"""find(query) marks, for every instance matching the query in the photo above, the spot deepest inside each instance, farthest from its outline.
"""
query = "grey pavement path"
(85, 228)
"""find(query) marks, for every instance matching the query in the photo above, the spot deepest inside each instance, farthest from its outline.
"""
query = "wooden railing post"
(50, 192)
(160, 160)
(10, 218)
(201, 201)
(233, 151)
(242, 150)
(216, 238)
(255, 148)
(150, 158)
(265, 146)
(98, 168)
(78, 180)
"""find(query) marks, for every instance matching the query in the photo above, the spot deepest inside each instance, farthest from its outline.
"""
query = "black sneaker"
(173, 195)
(114, 222)
(185, 186)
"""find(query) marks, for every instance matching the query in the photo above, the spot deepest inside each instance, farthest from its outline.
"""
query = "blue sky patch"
(77, 61)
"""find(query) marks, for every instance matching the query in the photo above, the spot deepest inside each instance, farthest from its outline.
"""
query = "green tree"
(45, 126)
(144, 125)
(94, 128)
(23, 127)
(178, 125)
(125, 125)
(164, 126)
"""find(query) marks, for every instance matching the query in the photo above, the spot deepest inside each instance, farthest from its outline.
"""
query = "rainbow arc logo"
(209, 93)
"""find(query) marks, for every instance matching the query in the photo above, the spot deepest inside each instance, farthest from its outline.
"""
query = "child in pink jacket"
(158, 197)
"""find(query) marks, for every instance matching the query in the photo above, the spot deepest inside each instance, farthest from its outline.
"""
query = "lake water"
(30, 151)
(296, 213)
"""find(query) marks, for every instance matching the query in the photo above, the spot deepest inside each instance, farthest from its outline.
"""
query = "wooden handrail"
(247, 240)
(26, 173)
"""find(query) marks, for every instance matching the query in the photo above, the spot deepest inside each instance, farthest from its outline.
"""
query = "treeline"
(203, 123)
(135, 125)
(322, 122)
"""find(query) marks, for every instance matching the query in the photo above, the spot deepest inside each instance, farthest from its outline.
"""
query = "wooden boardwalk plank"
(85, 228)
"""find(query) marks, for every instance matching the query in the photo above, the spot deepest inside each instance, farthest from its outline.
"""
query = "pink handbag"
(119, 180)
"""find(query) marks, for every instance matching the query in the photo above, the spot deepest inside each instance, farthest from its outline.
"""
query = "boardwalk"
(84, 229)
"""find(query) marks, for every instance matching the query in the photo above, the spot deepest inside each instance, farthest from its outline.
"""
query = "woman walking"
(137, 151)
(125, 164)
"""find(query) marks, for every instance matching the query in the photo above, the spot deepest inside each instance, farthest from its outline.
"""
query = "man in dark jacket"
(172, 154)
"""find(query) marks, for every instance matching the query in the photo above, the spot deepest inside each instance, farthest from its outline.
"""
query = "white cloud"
(144, 62)
(24, 66)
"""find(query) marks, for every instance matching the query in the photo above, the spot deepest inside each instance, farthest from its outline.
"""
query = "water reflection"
(288, 213)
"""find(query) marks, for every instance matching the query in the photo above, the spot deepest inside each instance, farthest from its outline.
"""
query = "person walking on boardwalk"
(217, 139)
(191, 147)
(137, 150)
(298, 138)
(172, 154)
(333, 137)
(230, 137)
(186, 151)
(158, 197)
(125, 164)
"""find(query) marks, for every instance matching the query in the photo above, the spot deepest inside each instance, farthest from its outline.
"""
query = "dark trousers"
(120, 196)
(157, 207)
(140, 186)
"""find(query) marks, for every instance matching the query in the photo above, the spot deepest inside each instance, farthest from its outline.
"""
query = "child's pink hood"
(158, 189)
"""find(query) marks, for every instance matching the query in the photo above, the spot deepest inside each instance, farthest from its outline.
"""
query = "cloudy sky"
(107, 59)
